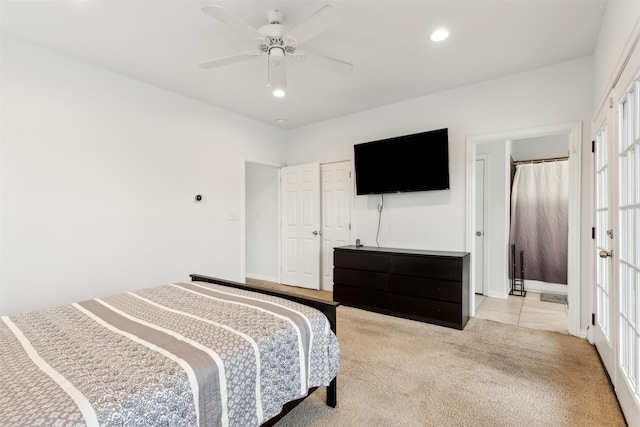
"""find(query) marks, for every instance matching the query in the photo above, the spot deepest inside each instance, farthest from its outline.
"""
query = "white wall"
(262, 221)
(541, 147)
(620, 25)
(437, 220)
(99, 174)
(550, 95)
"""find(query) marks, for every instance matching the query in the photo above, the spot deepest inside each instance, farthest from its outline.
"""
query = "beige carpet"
(397, 372)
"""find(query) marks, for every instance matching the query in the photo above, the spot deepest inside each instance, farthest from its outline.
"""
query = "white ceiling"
(161, 43)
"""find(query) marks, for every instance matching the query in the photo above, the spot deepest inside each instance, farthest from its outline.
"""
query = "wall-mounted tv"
(417, 162)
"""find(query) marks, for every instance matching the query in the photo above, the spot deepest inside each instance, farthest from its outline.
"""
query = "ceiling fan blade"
(325, 62)
(229, 60)
(314, 25)
(232, 21)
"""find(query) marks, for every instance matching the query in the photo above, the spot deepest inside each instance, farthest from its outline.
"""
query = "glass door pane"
(602, 241)
(629, 243)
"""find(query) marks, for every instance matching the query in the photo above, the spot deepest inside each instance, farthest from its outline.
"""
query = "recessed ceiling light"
(280, 120)
(439, 35)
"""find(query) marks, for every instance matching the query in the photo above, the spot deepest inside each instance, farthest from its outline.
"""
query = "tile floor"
(528, 312)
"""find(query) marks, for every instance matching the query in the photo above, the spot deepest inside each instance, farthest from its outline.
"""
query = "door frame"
(574, 129)
(487, 214)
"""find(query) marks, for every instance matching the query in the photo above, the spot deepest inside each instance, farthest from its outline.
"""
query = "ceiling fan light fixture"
(276, 55)
(277, 72)
(439, 34)
(277, 41)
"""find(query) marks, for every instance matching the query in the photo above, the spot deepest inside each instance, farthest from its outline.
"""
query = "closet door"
(336, 214)
(300, 226)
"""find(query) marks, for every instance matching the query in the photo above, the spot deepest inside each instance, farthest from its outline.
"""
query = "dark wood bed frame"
(326, 307)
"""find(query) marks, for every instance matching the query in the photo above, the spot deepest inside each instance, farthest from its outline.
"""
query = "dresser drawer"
(355, 260)
(437, 268)
(361, 298)
(425, 309)
(426, 287)
(360, 278)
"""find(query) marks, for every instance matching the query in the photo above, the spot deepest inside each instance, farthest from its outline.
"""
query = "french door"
(628, 260)
(605, 307)
(617, 297)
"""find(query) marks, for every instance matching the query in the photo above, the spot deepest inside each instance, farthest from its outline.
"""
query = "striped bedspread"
(181, 354)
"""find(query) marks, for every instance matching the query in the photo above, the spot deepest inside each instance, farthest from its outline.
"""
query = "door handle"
(315, 233)
(478, 233)
(606, 254)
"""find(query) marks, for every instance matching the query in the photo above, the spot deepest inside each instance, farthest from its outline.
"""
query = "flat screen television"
(417, 162)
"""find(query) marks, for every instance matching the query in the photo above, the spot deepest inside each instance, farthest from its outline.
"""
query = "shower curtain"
(539, 220)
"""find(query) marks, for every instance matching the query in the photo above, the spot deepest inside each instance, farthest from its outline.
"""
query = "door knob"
(478, 233)
(315, 233)
(606, 254)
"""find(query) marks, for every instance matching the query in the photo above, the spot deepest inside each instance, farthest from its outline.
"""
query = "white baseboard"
(502, 295)
(261, 277)
(539, 287)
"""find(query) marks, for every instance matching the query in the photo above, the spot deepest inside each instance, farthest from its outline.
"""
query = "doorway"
(261, 222)
(538, 218)
(497, 232)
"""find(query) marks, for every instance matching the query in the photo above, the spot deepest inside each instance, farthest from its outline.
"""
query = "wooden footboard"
(328, 308)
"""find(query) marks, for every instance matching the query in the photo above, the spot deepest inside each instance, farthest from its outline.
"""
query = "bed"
(207, 352)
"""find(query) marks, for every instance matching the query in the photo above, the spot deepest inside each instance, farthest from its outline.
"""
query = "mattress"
(190, 353)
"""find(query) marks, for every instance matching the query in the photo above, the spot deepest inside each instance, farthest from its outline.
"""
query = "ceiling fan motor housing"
(275, 17)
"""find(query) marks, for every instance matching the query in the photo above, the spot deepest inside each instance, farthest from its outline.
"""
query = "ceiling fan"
(279, 42)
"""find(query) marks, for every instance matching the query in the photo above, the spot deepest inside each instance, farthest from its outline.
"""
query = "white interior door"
(336, 215)
(617, 329)
(605, 325)
(479, 258)
(301, 225)
(627, 258)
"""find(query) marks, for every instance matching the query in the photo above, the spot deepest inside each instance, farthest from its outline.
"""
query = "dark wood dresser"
(429, 286)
